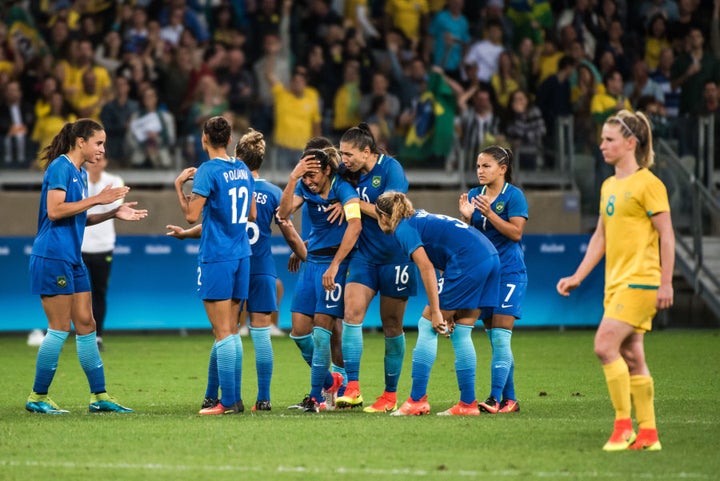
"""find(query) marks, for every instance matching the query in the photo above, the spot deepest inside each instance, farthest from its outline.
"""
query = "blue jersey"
(61, 239)
(451, 245)
(324, 234)
(267, 200)
(510, 202)
(228, 186)
(373, 245)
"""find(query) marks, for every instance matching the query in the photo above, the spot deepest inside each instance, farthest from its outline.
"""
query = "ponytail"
(64, 141)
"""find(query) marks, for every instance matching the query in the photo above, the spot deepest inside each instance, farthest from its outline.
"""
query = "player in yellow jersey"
(635, 234)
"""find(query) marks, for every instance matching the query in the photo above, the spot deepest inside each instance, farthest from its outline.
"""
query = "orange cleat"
(622, 436)
(413, 408)
(647, 440)
(462, 409)
(386, 403)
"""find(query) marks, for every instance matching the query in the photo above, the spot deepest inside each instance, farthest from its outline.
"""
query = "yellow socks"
(617, 377)
(642, 389)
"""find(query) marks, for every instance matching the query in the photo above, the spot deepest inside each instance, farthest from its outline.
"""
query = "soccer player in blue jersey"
(262, 299)
(469, 281)
(318, 299)
(57, 272)
(222, 194)
(379, 266)
(499, 210)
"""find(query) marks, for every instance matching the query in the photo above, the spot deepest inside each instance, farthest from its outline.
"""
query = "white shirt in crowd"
(101, 237)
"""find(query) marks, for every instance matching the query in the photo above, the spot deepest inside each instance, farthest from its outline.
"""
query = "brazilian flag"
(430, 137)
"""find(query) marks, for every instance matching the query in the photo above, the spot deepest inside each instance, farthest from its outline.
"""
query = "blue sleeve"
(299, 189)
(408, 238)
(202, 183)
(57, 177)
(396, 179)
(518, 206)
(346, 192)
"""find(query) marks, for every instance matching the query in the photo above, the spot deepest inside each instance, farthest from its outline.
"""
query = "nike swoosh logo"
(74, 179)
(505, 306)
(328, 306)
(401, 288)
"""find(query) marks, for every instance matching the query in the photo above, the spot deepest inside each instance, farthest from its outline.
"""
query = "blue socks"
(394, 354)
(227, 366)
(213, 383)
(465, 361)
(47, 360)
(306, 345)
(238, 366)
(263, 360)
(90, 361)
(352, 348)
(502, 361)
(423, 358)
(320, 368)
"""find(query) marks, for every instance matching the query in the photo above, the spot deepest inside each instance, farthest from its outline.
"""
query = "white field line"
(355, 471)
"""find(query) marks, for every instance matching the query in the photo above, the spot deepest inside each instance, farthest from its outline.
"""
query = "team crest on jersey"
(376, 181)
(61, 282)
(499, 207)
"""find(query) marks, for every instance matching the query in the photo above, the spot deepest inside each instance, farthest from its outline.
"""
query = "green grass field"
(565, 419)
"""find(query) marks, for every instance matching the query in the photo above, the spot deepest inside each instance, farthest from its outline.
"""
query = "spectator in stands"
(238, 81)
(50, 124)
(42, 104)
(59, 41)
(553, 100)
(711, 107)
(210, 101)
(277, 57)
(656, 40)
(449, 38)
(109, 53)
(642, 85)
(484, 53)
(529, 19)
(347, 99)
(88, 102)
(409, 77)
(264, 20)
(17, 119)
(379, 88)
(581, 19)
(662, 77)
(524, 128)
(548, 59)
(409, 16)
(691, 70)
(135, 32)
(507, 79)
(581, 96)
(297, 116)
(70, 73)
(651, 9)
(170, 32)
(151, 135)
(616, 43)
(688, 18)
(115, 116)
(479, 124)
(173, 81)
(528, 64)
(381, 123)
(607, 103)
(320, 17)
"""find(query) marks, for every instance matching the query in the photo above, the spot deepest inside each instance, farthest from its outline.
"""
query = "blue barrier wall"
(152, 285)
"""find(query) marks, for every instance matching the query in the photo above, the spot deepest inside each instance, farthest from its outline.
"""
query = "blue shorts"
(390, 280)
(512, 292)
(262, 296)
(311, 298)
(51, 277)
(476, 287)
(224, 280)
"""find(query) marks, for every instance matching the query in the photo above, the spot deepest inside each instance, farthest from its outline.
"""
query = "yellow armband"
(352, 210)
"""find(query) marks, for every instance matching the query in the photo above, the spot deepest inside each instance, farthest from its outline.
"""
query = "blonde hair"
(636, 125)
(251, 149)
(394, 205)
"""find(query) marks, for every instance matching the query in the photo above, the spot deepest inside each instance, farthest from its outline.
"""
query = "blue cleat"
(42, 404)
(103, 403)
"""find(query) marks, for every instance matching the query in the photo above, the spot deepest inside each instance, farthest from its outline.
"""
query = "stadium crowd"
(435, 79)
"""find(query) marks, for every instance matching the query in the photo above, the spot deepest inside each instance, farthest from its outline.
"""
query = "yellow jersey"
(295, 116)
(632, 248)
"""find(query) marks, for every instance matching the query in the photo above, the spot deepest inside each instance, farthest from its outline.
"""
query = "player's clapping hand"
(567, 284)
(111, 194)
(185, 175)
(465, 207)
(128, 212)
(175, 231)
